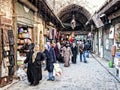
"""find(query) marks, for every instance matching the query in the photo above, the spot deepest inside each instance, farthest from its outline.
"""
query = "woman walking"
(34, 72)
(67, 54)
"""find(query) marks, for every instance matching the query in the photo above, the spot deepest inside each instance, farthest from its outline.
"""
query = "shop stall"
(117, 50)
(7, 60)
(25, 27)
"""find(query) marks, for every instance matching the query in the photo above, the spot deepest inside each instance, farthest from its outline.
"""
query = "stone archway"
(81, 17)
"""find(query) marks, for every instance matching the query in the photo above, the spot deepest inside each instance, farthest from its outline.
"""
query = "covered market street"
(59, 44)
(80, 76)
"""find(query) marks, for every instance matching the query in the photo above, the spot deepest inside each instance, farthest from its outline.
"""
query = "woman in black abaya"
(34, 72)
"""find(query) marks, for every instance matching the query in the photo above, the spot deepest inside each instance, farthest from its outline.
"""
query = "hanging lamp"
(73, 22)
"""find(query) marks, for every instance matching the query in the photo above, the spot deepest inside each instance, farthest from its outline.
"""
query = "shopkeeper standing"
(28, 46)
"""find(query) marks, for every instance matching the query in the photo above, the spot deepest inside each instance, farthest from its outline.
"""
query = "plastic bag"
(21, 73)
(57, 71)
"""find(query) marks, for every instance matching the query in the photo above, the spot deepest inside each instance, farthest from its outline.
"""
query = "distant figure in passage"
(74, 52)
(67, 54)
(82, 50)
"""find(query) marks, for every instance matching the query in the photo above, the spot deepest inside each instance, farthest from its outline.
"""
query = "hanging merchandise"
(53, 37)
(11, 54)
(70, 39)
(10, 37)
(50, 36)
(0, 50)
(3, 51)
(55, 33)
(48, 33)
(7, 58)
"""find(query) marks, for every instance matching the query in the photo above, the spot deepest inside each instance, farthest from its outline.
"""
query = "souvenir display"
(11, 37)
(7, 59)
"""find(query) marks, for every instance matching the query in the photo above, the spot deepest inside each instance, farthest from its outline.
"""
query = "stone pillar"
(15, 33)
(35, 28)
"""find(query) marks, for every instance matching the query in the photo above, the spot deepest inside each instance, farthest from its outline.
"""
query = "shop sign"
(97, 21)
(111, 33)
(5, 21)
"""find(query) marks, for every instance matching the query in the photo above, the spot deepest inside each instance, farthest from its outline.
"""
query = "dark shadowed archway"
(81, 17)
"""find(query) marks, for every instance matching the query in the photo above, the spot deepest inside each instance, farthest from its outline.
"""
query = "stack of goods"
(22, 37)
(117, 59)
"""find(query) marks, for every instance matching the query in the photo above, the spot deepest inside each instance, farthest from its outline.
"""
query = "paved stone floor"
(80, 76)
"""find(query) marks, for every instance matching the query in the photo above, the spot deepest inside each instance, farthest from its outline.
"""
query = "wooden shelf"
(23, 35)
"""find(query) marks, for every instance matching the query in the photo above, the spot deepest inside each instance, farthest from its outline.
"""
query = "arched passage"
(81, 17)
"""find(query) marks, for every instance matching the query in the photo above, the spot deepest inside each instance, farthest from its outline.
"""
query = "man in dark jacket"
(50, 60)
(88, 46)
(74, 52)
(28, 46)
(82, 50)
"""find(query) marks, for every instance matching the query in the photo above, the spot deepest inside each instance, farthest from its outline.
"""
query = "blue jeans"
(87, 53)
(82, 56)
(51, 77)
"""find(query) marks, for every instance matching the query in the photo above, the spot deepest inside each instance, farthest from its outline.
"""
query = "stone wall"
(6, 8)
(6, 12)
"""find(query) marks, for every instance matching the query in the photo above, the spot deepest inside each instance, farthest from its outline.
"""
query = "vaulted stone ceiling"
(90, 5)
(81, 9)
(81, 16)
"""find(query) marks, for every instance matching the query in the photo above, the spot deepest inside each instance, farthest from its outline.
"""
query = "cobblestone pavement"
(80, 76)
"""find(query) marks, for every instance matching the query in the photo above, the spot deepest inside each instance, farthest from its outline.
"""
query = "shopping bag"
(57, 71)
(21, 74)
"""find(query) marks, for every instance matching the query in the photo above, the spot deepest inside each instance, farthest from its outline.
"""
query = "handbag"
(57, 71)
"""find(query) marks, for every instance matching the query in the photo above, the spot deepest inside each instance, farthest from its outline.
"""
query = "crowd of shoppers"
(54, 52)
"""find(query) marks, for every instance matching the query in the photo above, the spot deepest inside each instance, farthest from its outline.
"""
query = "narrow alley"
(40, 41)
(80, 76)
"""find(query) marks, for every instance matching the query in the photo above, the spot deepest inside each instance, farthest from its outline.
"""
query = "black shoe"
(35, 83)
(53, 78)
(31, 83)
(85, 61)
(49, 79)
(87, 56)
(74, 62)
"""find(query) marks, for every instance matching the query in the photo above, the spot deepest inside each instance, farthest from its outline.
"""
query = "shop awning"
(106, 10)
(97, 21)
(110, 7)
